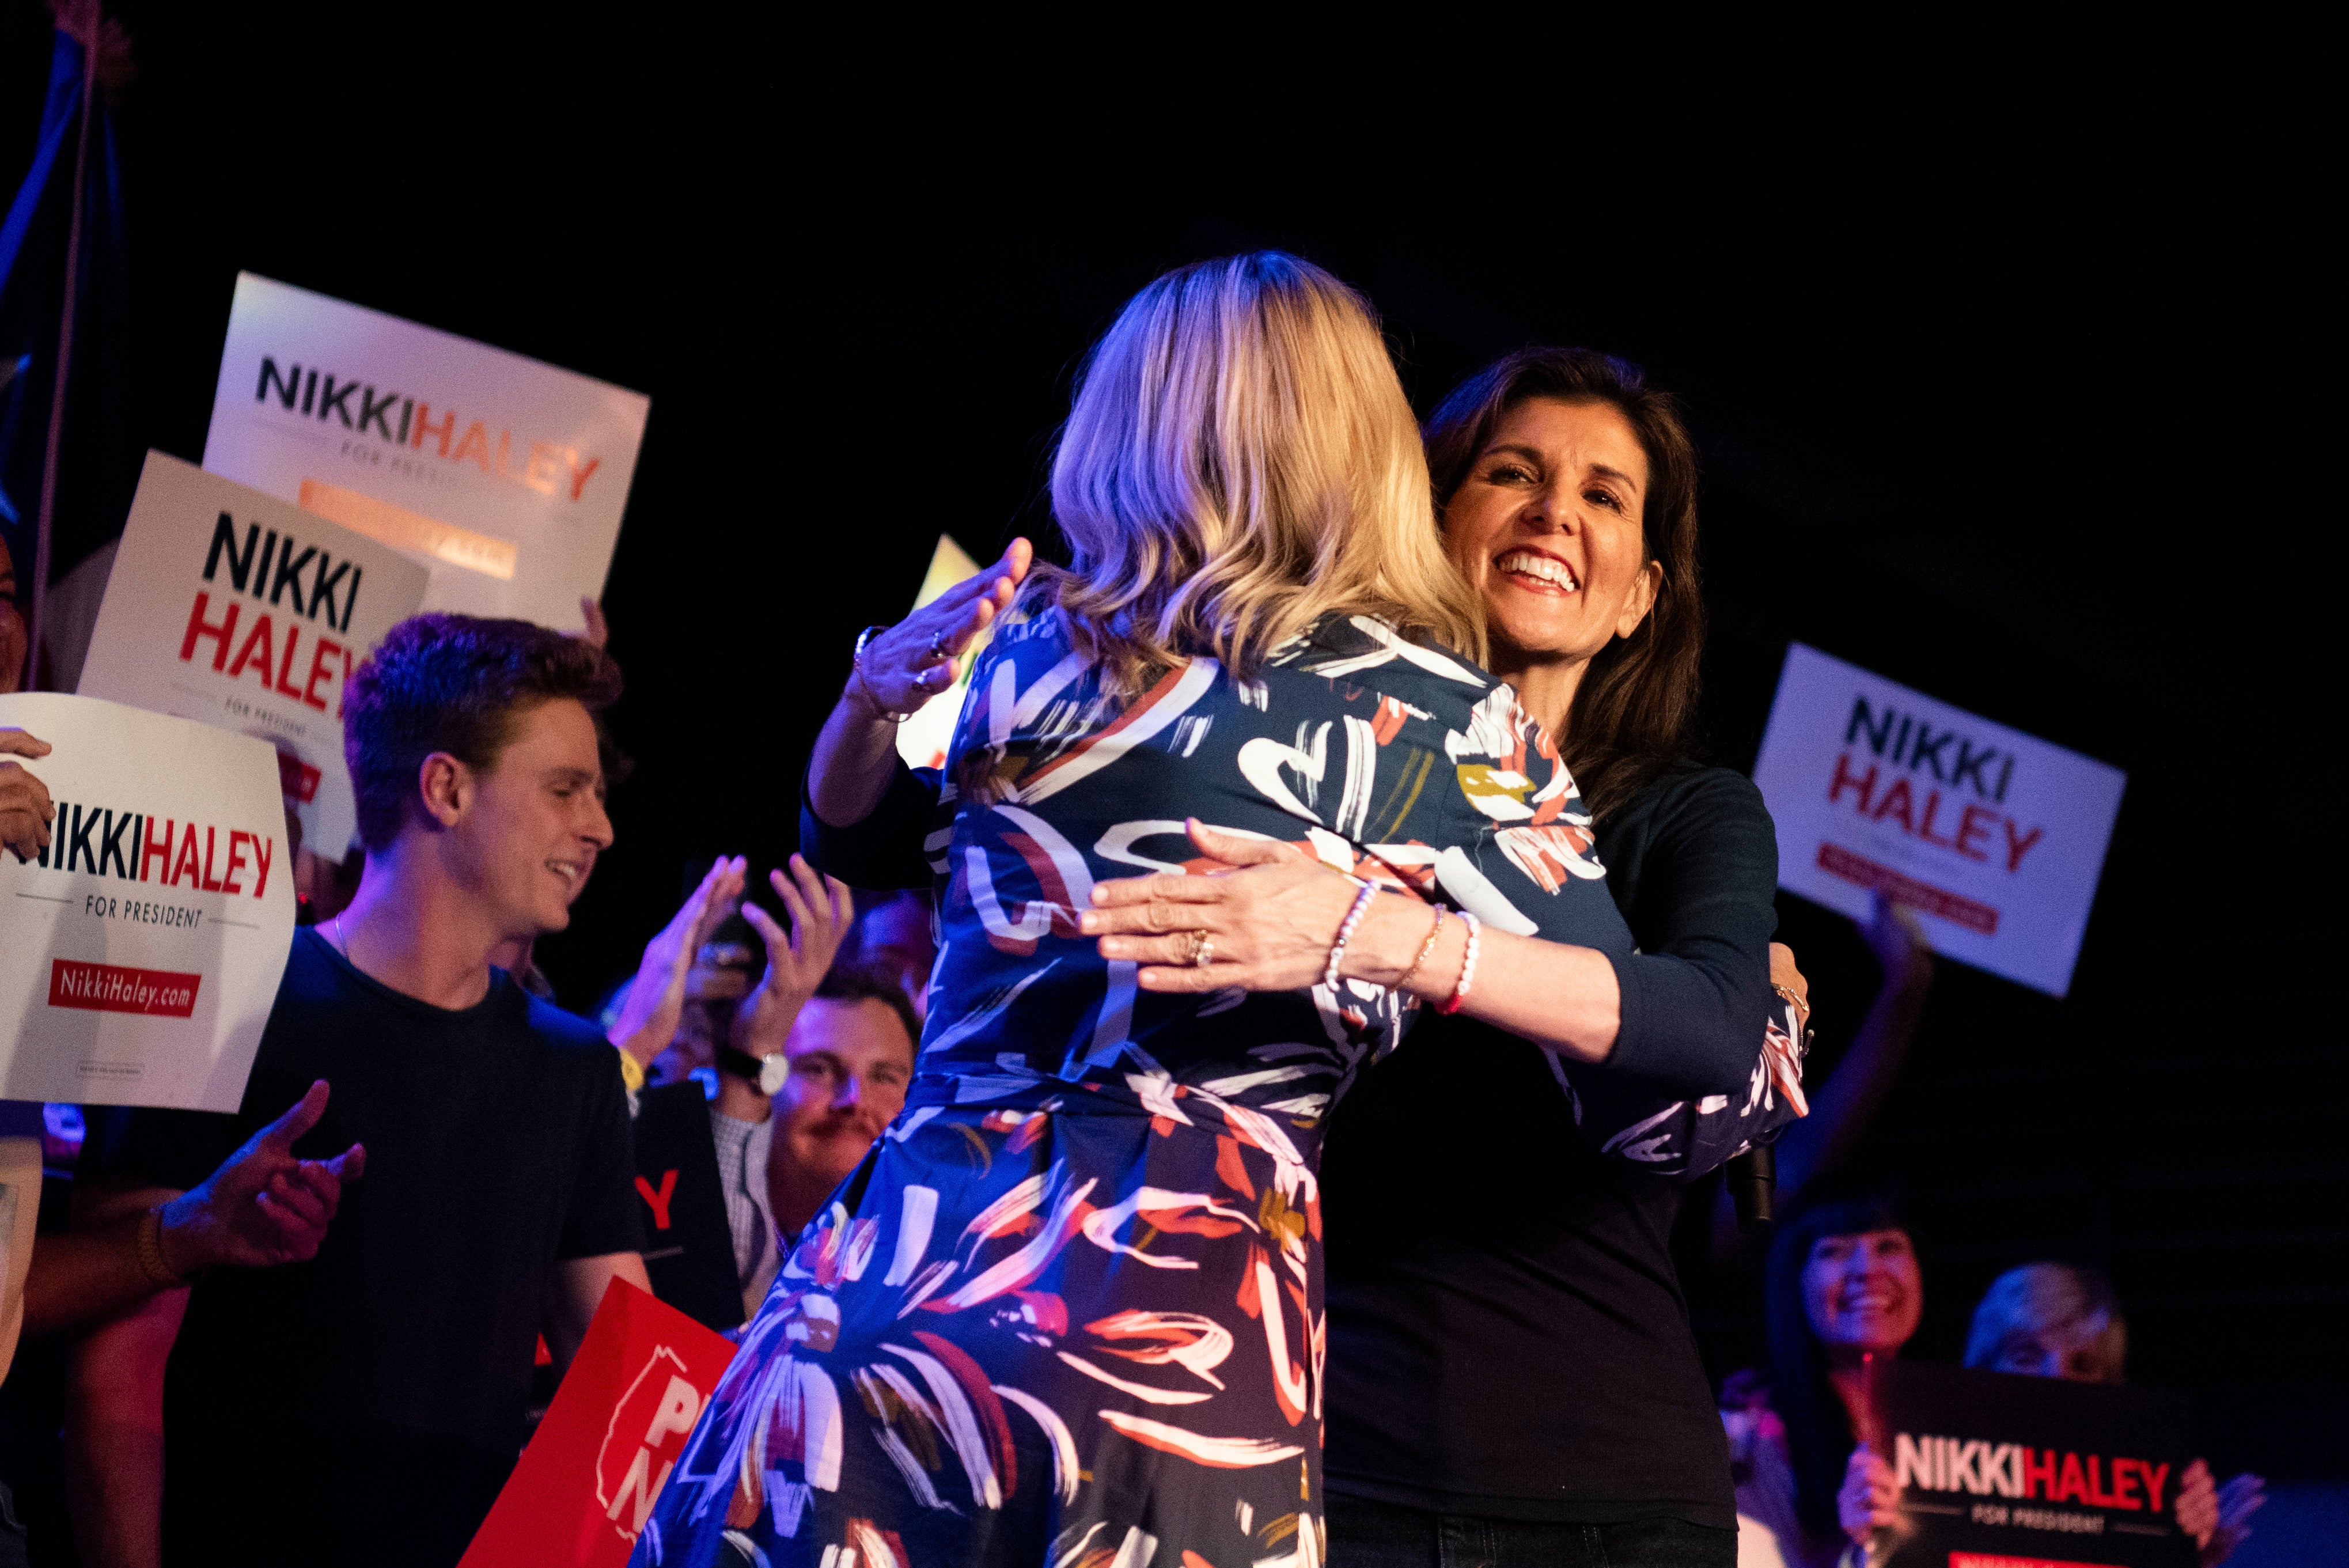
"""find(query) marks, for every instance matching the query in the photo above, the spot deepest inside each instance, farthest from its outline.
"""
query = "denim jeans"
(1384, 1535)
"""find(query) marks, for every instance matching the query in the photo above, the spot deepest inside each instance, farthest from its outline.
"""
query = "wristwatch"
(770, 1072)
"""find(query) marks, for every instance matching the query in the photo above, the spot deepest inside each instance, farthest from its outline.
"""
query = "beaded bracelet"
(1467, 967)
(1346, 932)
(1425, 948)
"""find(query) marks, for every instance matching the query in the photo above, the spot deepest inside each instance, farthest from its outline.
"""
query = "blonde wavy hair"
(1240, 461)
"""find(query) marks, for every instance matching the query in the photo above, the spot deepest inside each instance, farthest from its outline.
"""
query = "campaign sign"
(688, 1245)
(505, 476)
(145, 944)
(1996, 838)
(229, 608)
(617, 1428)
(2003, 1471)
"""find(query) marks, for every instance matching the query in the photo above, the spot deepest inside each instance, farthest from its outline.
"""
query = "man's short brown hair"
(458, 684)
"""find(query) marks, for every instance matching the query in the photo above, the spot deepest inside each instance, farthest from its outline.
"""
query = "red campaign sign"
(618, 1426)
(116, 988)
(297, 778)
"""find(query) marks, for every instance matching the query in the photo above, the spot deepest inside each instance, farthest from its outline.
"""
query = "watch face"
(774, 1072)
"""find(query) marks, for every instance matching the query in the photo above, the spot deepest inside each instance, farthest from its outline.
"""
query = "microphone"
(1753, 1187)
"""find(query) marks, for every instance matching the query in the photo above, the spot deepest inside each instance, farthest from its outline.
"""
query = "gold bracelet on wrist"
(151, 1251)
(1425, 948)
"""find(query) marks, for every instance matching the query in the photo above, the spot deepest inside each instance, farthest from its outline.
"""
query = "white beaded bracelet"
(1467, 967)
(1346, 932)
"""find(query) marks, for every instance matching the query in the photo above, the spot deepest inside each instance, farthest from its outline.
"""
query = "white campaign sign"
(145, 947)
(505, 476)
(229, 608)
(1993, 835)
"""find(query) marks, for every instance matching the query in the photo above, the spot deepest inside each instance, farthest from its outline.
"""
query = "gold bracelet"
(1425, 948)
(151, 1251)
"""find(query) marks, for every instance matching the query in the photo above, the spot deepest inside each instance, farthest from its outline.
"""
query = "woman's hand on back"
(913, 661)
(1270, 915)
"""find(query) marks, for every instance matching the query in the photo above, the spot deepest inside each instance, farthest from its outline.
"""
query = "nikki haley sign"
(145, 944)
(1995, 836)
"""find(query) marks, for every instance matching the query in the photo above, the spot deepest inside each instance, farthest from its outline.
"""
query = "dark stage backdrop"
(2010, 361)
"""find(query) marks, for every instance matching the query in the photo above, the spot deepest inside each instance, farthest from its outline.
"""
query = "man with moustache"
(365, 1406)
(851, 1051)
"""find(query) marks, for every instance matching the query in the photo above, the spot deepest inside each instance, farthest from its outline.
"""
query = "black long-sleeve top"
(1507, 1336)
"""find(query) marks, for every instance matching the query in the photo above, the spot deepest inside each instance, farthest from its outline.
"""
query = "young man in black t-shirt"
(365, 1406)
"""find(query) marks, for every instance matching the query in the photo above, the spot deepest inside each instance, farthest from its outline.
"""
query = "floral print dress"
(1068, 1311)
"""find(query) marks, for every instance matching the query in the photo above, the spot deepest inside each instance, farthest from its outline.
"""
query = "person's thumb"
(1232, 848)
(349, 1165)
(283, 1133)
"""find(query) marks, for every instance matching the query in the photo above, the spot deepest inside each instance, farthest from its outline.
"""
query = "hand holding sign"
(1870, 1500)
(25, 809)
(913, 661)
(265, 1205)
(821, 908)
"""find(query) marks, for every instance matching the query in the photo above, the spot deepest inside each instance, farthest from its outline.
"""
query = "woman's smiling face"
(1863, 1291)
(1547, 529)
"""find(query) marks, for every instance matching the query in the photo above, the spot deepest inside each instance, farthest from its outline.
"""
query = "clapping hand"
(264, 1206)
(25, 809)
(913, 661)
(821, 908)
(656, 1003)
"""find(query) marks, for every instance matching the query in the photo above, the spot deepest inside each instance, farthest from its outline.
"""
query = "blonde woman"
(1070, 1308)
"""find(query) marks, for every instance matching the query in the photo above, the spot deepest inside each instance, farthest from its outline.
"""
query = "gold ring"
(1201, 955)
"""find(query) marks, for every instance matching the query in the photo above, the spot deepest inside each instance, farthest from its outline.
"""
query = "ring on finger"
(937, 646)
(1200, 942)
(1204, 953)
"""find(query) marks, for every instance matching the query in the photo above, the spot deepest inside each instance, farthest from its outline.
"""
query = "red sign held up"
(617, 1427)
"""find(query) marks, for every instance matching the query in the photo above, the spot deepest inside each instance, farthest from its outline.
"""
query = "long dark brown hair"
(1819, 1438)
(1635, 715)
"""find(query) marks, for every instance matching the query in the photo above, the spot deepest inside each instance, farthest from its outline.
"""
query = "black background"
(2010, 352)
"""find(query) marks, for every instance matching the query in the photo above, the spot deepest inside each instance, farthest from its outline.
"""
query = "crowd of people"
(1079, 1207)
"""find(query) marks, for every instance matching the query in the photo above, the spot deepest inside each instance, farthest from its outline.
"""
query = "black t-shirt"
(1507, 1336)
(365, 1406)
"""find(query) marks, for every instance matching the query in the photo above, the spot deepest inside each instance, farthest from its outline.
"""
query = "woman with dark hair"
(1842, 1293)
(1515, 1369)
